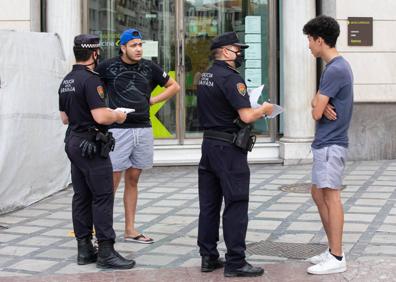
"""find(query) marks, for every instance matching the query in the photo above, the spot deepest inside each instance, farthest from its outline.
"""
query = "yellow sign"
(159, 129)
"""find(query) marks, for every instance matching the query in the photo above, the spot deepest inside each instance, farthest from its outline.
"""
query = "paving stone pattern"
(38, 240)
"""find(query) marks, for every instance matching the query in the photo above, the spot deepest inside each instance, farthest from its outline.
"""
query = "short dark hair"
(82, 54)
(215, 54)
(325, 27)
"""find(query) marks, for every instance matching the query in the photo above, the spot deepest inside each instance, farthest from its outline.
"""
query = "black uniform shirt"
(221, 92)
(130, 86)
(80, 92)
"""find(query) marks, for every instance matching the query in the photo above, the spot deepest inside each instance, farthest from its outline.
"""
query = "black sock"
(339, 258)
(329, 250)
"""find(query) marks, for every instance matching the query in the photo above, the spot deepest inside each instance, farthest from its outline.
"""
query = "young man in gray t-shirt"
(332, 110)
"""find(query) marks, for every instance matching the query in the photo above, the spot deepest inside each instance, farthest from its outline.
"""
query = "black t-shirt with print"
(80, 92)
(130, 86)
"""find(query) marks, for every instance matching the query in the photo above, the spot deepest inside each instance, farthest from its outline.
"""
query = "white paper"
(253, 24)
(276, 111)
(253, 52)
(150, 49)
(125, 110)
(253, 64)
(253, 77)
(254, 95)
(252, 38)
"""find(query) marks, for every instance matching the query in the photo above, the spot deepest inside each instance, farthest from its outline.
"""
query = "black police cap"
(87, 41)
(227, 38)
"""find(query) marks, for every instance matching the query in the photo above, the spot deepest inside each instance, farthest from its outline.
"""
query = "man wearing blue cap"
(129, 80)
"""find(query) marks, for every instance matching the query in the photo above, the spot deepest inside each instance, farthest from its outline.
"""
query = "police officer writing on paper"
(82, 106)
(225, 115)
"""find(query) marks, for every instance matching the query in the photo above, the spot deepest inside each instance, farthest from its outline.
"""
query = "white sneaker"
(328, 266)
(319, 258)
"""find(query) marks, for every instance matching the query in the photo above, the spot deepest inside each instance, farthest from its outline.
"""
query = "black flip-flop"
(138, 239)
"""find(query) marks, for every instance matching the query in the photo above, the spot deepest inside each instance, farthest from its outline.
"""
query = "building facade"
(177, 35)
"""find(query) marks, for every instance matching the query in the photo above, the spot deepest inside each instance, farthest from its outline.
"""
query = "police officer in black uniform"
(225, 116)
(82, 106)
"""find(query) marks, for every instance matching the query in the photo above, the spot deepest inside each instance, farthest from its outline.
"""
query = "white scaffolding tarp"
(33, 163)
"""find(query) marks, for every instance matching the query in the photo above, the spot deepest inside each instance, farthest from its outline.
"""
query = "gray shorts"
(328, 166)
(133, 148)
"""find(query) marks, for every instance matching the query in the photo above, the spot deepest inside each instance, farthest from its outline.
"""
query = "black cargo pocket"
(101, 180)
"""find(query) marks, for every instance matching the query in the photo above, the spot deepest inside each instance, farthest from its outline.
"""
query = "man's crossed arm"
(321, 106)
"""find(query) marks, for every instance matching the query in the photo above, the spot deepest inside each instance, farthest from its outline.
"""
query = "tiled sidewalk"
(38, 242)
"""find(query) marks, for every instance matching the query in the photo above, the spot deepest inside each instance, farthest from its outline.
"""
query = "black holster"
(107, 143)
(244, 138)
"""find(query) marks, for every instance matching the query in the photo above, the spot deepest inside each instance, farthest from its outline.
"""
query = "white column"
(298, 70)
(65, 19)
(35, 15)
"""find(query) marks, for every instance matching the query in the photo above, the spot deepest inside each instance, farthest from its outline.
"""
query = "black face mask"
(97, 60)
(239, 58)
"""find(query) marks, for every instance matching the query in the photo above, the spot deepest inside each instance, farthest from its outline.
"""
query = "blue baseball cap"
(129, 35)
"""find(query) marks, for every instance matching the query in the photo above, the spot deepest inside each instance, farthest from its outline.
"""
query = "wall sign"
(253, 53)
(360, 31)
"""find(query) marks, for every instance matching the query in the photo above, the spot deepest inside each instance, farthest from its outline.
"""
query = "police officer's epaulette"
(235, 70)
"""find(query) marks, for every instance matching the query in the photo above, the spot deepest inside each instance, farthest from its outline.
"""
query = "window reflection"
(156, 21)
(205, 19)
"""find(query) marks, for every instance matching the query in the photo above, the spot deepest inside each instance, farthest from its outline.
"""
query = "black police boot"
(209, 264)
(247, 270)
(87, 253)
(110, 258)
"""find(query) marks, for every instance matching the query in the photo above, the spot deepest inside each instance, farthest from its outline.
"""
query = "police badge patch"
(101, 92)
(241, 88)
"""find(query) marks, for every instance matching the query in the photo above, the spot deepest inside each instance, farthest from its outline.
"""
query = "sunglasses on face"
(235, 52)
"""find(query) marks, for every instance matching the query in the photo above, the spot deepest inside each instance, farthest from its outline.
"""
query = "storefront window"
(156, 21)
(205, 19)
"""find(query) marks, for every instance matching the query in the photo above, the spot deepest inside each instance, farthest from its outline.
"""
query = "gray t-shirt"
(336, 82)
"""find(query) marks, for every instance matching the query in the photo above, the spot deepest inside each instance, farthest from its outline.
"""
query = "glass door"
(156, 20)
(204, 20)
(177, 35)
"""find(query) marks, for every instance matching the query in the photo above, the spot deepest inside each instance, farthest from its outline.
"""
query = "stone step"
(165, 155)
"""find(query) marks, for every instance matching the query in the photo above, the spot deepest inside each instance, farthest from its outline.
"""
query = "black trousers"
(223, 173)
(93, 198)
